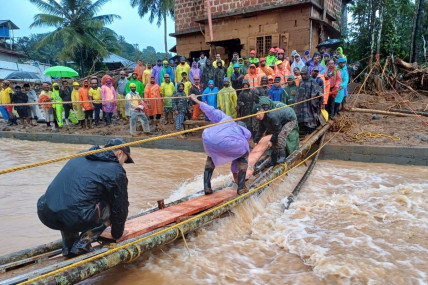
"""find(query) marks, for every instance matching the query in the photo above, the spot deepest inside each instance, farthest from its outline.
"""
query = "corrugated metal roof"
(7, 68)
(114, 58)
(12, 25)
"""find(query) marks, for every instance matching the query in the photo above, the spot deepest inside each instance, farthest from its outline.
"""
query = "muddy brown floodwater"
(353, 223)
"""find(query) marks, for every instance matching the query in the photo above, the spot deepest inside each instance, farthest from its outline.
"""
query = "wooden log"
(78, 273)
(405, 111)
(381, 112)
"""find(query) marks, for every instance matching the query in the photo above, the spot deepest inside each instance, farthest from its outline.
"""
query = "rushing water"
(353, 223)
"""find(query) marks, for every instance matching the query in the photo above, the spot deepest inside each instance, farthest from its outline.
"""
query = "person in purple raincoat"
(224, 143)
(194, 71)
(108, 95)
(156, 71)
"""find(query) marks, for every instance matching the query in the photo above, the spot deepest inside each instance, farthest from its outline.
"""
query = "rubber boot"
(282, 157)
(171, 115)
(90, 123)
(86, 123)
(208, 173)
(242, 172)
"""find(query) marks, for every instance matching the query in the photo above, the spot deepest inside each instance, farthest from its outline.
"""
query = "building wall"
(191, 42)
(9, 57)
(186, 11)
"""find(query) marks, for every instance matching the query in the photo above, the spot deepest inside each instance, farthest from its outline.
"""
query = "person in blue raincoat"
(209, 96)
(345, 79)
(224, 143)
(275, 92)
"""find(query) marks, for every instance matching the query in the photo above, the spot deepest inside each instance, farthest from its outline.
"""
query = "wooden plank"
(155, 220)
(256, 153)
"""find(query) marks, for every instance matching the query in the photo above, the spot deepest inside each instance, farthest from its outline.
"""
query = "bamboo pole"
(291, 198)
(381, 112)
(79, 273)
(30, 252)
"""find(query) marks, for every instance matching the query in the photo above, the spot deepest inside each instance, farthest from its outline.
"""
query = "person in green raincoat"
(339, 52)
(282, 124)
(166, 69)
(230, 69)
(227, 100)
(138, 83)
(289, 91)
(58, 108)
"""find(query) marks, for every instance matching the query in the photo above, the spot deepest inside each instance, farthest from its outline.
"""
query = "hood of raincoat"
(105, 78)
(102, 156)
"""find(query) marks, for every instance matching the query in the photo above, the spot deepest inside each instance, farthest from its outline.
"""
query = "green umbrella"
(61, 71)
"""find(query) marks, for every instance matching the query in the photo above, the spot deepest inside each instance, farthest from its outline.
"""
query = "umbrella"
(330, 43)
(61, 71)
(23, 75)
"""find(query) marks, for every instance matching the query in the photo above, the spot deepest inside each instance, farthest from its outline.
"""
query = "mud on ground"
(411, 131)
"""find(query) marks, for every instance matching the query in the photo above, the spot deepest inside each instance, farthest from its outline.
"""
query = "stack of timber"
(38, 262)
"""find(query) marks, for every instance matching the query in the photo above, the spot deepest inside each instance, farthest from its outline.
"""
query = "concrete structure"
(254, 24)
(412, 155)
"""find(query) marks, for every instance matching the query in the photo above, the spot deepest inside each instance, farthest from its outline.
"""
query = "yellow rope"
(184, 239)
(176, 226)
(81, 154)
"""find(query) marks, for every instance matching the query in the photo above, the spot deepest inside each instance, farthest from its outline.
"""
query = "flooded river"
(353, 223)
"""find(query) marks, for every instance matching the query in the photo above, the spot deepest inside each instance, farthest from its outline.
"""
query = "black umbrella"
(23, 75)
(330, 43)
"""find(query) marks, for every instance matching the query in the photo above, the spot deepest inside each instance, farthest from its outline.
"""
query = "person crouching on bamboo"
(279, 123)
(135, 108)
(224, 143)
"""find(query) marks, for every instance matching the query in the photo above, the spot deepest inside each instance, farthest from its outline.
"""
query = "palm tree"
(159, 9)
(77, 26)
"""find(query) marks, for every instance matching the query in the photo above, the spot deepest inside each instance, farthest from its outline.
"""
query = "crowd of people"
(159, 94)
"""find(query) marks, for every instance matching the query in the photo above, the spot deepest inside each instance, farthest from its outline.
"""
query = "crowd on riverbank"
(157, 95)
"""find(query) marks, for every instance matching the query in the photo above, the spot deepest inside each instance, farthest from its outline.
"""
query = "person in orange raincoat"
(139, 69)
(253, 77)
(87, 107)
(264, 69)
(281, 71)
(155, 107)
(285, 62)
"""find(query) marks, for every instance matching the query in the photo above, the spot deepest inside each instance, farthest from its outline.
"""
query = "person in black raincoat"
(207, 73)
(86, 196)
(279, 123)
(219, 74)
(245, 104)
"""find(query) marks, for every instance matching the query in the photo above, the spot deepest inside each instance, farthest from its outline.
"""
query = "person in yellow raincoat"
(80, 115)
(227, 100)
(58, 108)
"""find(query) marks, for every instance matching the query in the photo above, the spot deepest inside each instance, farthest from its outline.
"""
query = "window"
(260, 46)
(264, 44)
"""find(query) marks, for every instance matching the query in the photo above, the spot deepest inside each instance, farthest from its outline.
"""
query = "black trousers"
(76, 240)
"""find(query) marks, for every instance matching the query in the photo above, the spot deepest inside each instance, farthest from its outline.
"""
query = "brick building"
(254, 24)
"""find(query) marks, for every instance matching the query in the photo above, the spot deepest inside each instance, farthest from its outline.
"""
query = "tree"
(85, 37)
(385, 25)
(417, 35)
(159, 9)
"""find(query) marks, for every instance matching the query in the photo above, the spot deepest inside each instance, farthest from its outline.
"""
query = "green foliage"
(157, 9)
(83, 33)
(396, 30)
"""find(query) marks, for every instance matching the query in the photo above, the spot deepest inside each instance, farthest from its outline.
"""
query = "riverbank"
(406, 155)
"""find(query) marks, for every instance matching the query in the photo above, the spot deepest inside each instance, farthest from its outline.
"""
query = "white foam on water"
(351, 224)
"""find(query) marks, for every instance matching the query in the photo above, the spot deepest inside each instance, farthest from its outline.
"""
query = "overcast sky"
(136, 30)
